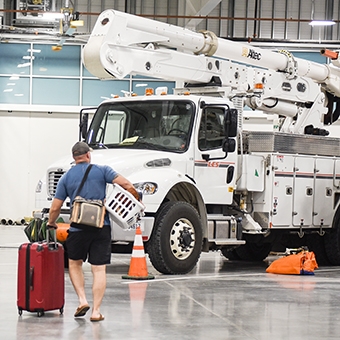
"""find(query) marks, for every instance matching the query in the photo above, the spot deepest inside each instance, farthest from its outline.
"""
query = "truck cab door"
(214, 173)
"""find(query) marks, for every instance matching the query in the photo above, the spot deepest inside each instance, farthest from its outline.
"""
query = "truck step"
(218, 217)
(228, 241)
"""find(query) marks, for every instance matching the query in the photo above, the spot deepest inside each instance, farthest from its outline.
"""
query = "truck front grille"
(53, 179)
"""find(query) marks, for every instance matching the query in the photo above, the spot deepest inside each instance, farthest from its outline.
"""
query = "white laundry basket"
(123, 207)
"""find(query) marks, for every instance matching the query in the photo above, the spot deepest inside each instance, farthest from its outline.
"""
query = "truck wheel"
(176, 240)
(332, 242)
(253, 251)
(316, 244)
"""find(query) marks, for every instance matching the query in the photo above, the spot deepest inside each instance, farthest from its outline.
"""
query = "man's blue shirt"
(94, 187)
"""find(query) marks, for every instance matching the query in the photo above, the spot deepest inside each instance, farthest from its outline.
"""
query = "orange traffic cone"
(138, 269)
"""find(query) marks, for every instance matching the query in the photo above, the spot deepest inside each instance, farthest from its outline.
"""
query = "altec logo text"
(250, 53)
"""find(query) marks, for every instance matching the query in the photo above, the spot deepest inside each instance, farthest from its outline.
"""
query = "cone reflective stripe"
(138, 247)
(138, 269)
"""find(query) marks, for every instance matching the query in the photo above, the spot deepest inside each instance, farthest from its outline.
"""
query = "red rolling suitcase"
(41, 277)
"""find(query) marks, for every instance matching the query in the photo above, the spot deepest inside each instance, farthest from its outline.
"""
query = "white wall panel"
(29, 143)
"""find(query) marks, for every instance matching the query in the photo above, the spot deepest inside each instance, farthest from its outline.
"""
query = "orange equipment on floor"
(138, 269)
(303, 262)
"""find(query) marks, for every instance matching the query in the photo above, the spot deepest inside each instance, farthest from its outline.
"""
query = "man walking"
(92, 244)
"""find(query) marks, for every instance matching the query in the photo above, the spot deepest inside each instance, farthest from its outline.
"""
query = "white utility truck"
(207, 183)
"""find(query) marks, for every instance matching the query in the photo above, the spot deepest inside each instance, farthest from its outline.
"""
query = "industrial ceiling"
(255, 20)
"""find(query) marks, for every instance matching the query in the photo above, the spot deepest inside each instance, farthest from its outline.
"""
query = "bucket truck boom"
(123, 44)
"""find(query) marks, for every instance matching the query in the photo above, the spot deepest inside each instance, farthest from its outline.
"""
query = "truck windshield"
(159, 124)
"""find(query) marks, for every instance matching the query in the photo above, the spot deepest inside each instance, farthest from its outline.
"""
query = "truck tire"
(176, 241)
(332, 241)
(316, 244)
(253, 251)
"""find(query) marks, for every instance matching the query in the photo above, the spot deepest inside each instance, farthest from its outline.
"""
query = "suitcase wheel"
(40, 313)
(20, 311)
(61, 310)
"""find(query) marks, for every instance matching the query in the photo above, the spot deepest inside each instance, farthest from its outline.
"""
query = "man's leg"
(98, 288)
(77, 278)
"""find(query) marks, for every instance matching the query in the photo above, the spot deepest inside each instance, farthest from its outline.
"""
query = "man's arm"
(54, 212)
(127, 185)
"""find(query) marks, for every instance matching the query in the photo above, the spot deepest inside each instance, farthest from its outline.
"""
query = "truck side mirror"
(229, 145)
(230, 129)
(230, 123)
(83, 125)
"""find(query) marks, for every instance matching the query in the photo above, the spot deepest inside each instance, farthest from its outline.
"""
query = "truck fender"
(176, 187)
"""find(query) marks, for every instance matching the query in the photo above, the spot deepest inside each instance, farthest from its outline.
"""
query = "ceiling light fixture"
(28, 57)
(33, 50)
(24, 65)
(314, 22)
(322, 23)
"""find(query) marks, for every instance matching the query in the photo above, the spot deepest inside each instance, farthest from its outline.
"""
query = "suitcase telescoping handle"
(48, 229)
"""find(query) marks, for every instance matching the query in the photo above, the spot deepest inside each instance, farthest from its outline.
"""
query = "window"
(156, 125)
(15, 59)
(34, 74)
(211, 133)
(65, 63)
(55, 91)
(95, 90)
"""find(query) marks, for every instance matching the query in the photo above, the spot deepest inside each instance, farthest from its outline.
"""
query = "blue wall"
(33, 74)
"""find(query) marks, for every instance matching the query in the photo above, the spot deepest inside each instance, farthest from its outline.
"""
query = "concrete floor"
(219, 299)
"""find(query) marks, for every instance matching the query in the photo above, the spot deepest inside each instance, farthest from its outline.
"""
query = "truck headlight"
(38, 187)
(147, 188)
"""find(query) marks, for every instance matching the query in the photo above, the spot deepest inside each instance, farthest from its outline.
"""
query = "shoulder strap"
(83, 180)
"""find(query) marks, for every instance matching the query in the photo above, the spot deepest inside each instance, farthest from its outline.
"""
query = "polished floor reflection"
(219, 299)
